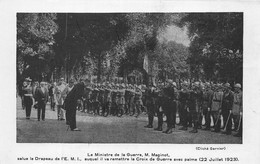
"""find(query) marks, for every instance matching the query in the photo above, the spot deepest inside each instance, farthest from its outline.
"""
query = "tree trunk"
(99, 68)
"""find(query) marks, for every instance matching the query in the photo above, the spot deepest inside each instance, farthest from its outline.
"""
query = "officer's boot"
(195, 128)
(150, 120)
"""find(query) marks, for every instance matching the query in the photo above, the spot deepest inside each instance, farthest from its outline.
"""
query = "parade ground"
(111, 129)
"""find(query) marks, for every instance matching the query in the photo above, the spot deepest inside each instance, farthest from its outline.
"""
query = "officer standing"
(169, 106)
(206, 101)
(216, 107)
(158, 107)
(194, 106)
(237, 110)
(227, 103)
(184, 95)
(150, 104)
(28, 97)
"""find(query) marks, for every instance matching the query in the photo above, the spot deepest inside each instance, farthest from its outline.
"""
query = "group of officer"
(193, 102)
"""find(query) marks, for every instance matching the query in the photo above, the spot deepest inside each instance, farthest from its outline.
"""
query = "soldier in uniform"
(169, 106)
(127, 99)
(227, 103)
(108, 99)
(184, 95)
(95, 103)
(101, 97)
(237, 110)
(27, 97)
(150, 104)
(114, 100)
(216, 104)
(59, 96)
(194, 106)
(121, 98)
(138, 101)
(131, 100)
(206, 101)
(158, 107)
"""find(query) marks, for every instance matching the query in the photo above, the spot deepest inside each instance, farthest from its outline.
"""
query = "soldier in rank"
(169, 105)
(216, 105)
(237, 110)
(150, 104)
(206, 101)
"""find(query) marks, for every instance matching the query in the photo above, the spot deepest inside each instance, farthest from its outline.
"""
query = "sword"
(239, 124)
(227, 120)
(217, 119)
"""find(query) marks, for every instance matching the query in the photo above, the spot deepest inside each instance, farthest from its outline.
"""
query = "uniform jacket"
(237, 103)
(227, 101)
(59, 94)
(216, 102)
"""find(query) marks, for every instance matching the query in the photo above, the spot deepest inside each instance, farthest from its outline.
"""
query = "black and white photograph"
(130, 78)
(133, 81)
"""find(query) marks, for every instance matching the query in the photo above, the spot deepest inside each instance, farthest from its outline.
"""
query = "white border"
(9, 150)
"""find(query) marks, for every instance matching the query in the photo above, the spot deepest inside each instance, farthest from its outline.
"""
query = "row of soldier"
(192, 102)
(196, 102)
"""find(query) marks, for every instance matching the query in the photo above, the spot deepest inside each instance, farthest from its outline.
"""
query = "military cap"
(227, 85)
(237, 85)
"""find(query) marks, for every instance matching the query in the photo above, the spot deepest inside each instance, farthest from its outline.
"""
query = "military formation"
(190, 105)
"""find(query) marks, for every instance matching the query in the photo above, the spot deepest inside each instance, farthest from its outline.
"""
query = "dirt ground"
(111, 129)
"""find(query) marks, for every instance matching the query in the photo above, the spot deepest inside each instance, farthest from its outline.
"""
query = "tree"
(142, 40)
(34, 43)
(215, 38)
(89, 36)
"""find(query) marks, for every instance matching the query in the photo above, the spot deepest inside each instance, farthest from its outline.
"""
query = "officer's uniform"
(95, 102)
(158, 108)
(215, 109)
(150, 104)
(184, 96)
(237, 110)
(194, 107)
(138, 101)
(108, 99)
(28, 100)
(121, 99)
(206, 101)
(169, 107)
(227, 103)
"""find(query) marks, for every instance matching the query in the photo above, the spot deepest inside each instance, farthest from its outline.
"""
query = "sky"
(174, 33)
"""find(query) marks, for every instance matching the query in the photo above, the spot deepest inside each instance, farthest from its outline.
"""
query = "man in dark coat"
(227, 102)
(169, 106)
(41, 98)
(150, 104)
(71, 105)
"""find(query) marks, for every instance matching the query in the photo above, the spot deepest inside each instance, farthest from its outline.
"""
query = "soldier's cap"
(237, 85)
(62, 78)
(28, 79)
(227, 85)
(42, 83)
